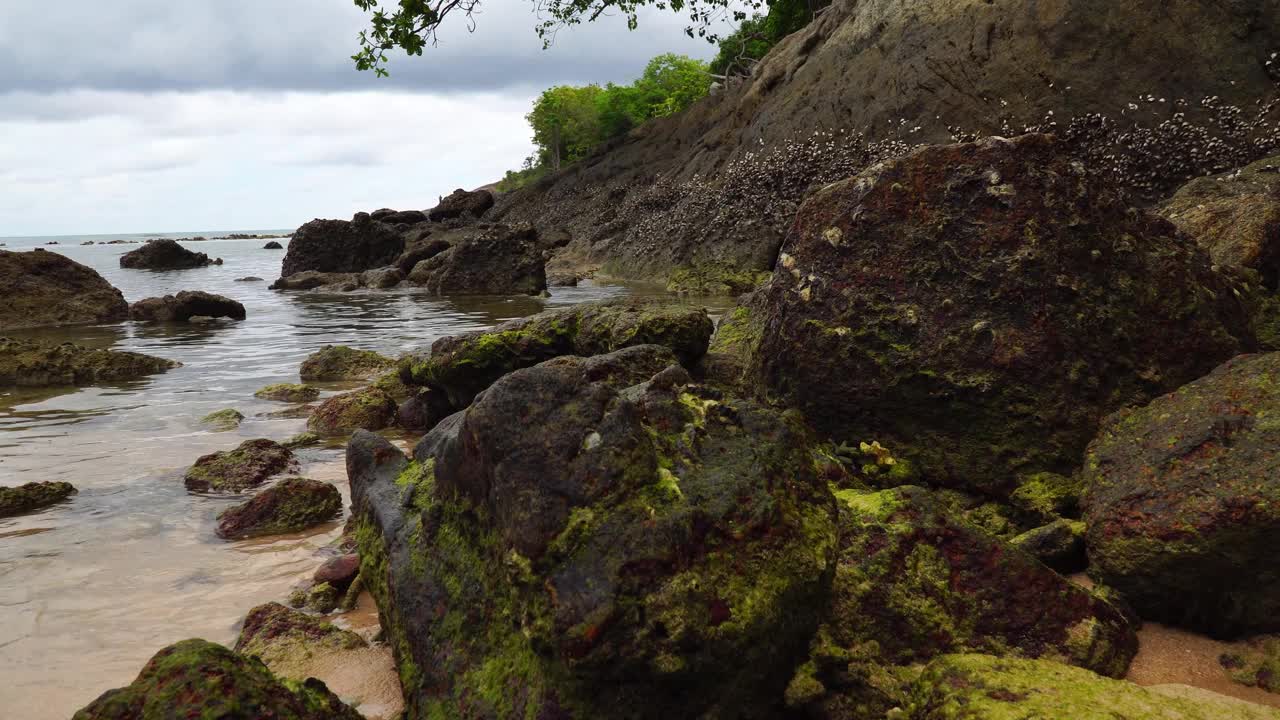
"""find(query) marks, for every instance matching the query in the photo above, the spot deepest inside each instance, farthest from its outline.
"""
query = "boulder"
(339, 571)
(275, 634)
(416, 252)
(291, 505)
(273, 245)
(30, 364)
(313, 280)
(198, 679)
(591, 531)
(913, 583)
(486, 259)
(1183, 502)
(163, 254)
(33, 496)
(423, 409)
(249, 465)
(184, 306)
(983, 687)
(1060, 545)
(367, 409)
(288, 392)
(223, 420)
(249, 278)
(302, 439)
(44, 289)
(339, 246)
(1256, 663)
(381, 213)
(461, 203)
(403, 217)
(339, 362)
(979, 308)
(460, 366)
(381, 278)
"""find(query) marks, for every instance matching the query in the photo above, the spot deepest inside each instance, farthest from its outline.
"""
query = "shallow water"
(91, 588)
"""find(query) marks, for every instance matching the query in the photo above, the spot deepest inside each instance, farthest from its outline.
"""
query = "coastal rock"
(423, 409)
(322, 598)
(403, 217)
(223, 420)
(473, 204)
(487, 259)
(313, 280)
(339, 571)
(381, 278)
(275, 634)
(249, 278)
(184, 306)
(982, 687)
(249, 465)
(29, 364)
(288, 392)
(1257, 664)
(979, 308)
(339, 362)
(198, 679)
(420, 250)
(302, 439)
(628, 537)
(273, 245)
(339, 246)
(163, 254)
(1183, 502)
(460, 366)
(367, 409)
(291, 505)
(45, 289)
(32, 496)
(1060, 545)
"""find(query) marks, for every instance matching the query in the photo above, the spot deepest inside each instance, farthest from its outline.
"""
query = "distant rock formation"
(164, 254)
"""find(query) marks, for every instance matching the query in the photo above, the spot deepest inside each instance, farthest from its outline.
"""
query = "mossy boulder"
(41, 288)
(291, 505)
(288, 392)
(274, 634)
(33, 496)
(198, 679)
(339, 362)
(222, 420)
(913, 583)
(29, 364)
(982, 307)
(247, 466)
(302, 439)
(1183, 502)
(596, 538)
(983, 687)
(322, 598)
(423, 409)
(1060, 545)
(1257, 664)
(461, 366)
(367, 409)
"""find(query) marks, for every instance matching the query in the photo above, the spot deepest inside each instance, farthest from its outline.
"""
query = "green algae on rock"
(302, 439)
(198, 679)
(1059, 544)
(1183, 502)
(291, 505)
(981, 307)
(339, 362)
(632, 547)
(288, 392)
(32, 496)
(461, 366)
(28, 364)
(249, 465)
(982, 687)
(223, 420)
(1257, 665)
(42, 288)
(273, 633)
(367, 409)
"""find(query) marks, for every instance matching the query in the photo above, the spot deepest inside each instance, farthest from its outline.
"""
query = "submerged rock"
(44, 289)
(33, 496)
(223, 420)
(302, 439)
(27, 364)
(291, 505)
(459, 203)
(288, 392)
(339, 246)
(339, 571)
(1183, 502)
(249, 465)
(381, 278)
(486, 259)
(367, 409)
(275, 634)
(198, 679)
(186, 305)
(250, 278)
(593, 531)
(339, 362)
(980, 307)
(313, 280)
(163, 254)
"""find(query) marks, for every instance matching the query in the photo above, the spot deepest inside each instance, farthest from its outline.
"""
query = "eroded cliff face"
(703, 199)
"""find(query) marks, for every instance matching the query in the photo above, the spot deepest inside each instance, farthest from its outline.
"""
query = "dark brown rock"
(249, 465)
(45, 289)
(30, 364)
(338, 571)
(291, 505)
(462, 203)
(184, 306)
(486, 259)
(368, 409)
(33, 496)
(164, 254)
(339, 246)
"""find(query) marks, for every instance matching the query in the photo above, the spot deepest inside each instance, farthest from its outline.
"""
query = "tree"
(758, 33)
(566, 123)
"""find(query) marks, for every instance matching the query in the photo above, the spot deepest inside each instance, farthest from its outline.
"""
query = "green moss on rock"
(32, 496)
(714, 279)
(288, 392)
(339, 362)
(249, 465)
(222, 420)
(275, 634)
(1257, 665)
(28, 364)
(367, 409)
(291, 505)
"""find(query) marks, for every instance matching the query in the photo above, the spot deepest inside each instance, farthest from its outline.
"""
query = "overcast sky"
(156, 115)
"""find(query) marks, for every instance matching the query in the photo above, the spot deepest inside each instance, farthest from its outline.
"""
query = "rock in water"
(979, 308)
(459, 203)
(273, 633)
(288, 392)
(273, 245)
(487, 259)
(291, 505)
(223, 420)
(198, 679)
(423, 409)
(339, 362)
(367, 409)
(339, 246)
(339, 571)
(591, 531)
(31, 365)
(312, 280)
(249, 465)
(32, 496)
(184, 306)
(1183, 502)
(163, 254)
(43, 289)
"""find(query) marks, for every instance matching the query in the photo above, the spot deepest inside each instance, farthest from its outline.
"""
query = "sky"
(126, 116)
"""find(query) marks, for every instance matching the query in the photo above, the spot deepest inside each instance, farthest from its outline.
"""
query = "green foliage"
(758, 33)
